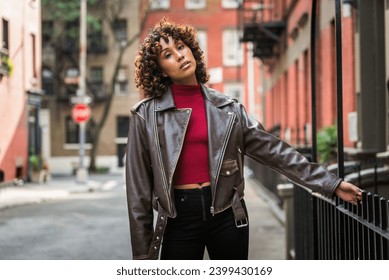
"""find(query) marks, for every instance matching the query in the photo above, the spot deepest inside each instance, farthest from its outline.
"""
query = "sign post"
(81, 114)
(81, 110)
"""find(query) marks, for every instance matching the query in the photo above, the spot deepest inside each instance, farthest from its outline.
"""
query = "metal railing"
(328, 229)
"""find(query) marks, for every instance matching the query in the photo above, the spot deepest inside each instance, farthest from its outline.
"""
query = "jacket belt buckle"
(241, 223)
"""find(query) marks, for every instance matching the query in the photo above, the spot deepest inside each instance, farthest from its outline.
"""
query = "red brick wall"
(289, 100)
(24, 20)
(213, 19)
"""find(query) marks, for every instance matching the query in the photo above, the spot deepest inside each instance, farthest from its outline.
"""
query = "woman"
(186, 146)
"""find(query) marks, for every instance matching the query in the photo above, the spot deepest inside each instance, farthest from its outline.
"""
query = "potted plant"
(6, 65)
(35, 164)
(327, 144)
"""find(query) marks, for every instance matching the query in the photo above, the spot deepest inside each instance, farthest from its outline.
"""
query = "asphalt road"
(94, 225)
(87, 226)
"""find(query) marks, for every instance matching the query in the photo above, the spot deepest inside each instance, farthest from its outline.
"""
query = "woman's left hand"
(349, 192)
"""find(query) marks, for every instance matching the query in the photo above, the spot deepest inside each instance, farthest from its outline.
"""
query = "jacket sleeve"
(139, 185)
(271, 151)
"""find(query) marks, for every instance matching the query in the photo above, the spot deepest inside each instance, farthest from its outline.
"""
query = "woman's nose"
(180, 56)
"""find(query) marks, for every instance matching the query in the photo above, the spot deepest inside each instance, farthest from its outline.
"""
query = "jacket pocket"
(229, 167)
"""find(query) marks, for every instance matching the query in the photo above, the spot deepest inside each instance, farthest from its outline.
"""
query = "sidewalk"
(29, 193)
(267, 233)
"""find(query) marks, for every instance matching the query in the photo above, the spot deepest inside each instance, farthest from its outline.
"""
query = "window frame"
(233, 87)
(75, 130)
(191, 5)
(232, 48)
(159, 4)
(230, 4)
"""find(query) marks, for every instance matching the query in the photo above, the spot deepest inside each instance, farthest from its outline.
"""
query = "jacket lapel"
(172, 124)
(219, 128)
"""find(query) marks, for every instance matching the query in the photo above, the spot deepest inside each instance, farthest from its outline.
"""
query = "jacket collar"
(166, 101)
(217, 98)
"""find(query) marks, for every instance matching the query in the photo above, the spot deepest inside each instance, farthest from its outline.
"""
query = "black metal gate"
(335, 230)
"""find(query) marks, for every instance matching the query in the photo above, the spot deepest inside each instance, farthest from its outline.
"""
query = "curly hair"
(148, 74)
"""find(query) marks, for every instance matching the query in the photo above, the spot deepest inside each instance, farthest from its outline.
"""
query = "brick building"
(285, 52)
(60, 80)
(20, 64)
(231, 65)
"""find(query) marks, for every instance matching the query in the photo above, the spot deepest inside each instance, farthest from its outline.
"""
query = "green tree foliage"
(68, 11)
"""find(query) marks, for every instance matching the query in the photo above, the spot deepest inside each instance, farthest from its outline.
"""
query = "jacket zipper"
(167, 184)
(189, 110)
(161, 162)
(240, 161)
(212, 208)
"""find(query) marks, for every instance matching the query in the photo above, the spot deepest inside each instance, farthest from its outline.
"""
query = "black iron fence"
(371, 175)
(328, 229)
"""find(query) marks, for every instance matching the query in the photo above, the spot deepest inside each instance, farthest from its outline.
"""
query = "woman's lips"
(185, 65)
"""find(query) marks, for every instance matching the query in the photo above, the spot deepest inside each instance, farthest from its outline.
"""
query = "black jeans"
(194, 228)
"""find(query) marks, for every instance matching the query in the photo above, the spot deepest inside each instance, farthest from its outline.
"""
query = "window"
(121, 87)
(4, 50)
(96, 74)
(71, 80)
(234, 90)
(73, 131)
(71, 76)
(160, 4)
(97, 81)
(47, 31)
(230, 4)
(120, 26)
(202, 39)
(121, 84)
(122, 124)
(71, 40)
(33, 43)
(195, 4)
(48, 81)
(71, 72)
(232, 50)
(5, 35)
(96, 40)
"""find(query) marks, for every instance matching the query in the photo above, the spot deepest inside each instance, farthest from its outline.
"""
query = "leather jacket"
(156, 134)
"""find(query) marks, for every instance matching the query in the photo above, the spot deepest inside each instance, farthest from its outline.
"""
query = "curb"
(17, 195)
(11, 197)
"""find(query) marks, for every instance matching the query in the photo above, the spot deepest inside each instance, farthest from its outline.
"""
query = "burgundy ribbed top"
(192, 166)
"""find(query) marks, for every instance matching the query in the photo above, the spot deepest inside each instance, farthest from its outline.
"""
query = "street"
(93, 225)
(83, 226)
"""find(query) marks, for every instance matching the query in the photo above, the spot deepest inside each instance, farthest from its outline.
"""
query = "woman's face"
(177, 62)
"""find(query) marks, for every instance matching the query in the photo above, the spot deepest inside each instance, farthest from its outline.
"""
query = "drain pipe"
(313, 80)
(339, 86)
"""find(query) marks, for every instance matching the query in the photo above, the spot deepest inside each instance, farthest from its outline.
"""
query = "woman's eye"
(180, 47)
(168, 55)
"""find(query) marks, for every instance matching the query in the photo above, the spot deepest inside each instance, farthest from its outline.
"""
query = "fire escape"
(263, 27)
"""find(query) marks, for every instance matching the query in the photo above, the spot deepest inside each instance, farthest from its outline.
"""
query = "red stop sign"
(81, 113)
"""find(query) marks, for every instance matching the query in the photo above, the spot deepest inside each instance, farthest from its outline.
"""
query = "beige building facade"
(60, 80)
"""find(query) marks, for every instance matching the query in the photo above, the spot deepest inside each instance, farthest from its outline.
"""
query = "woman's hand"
(349, 192)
